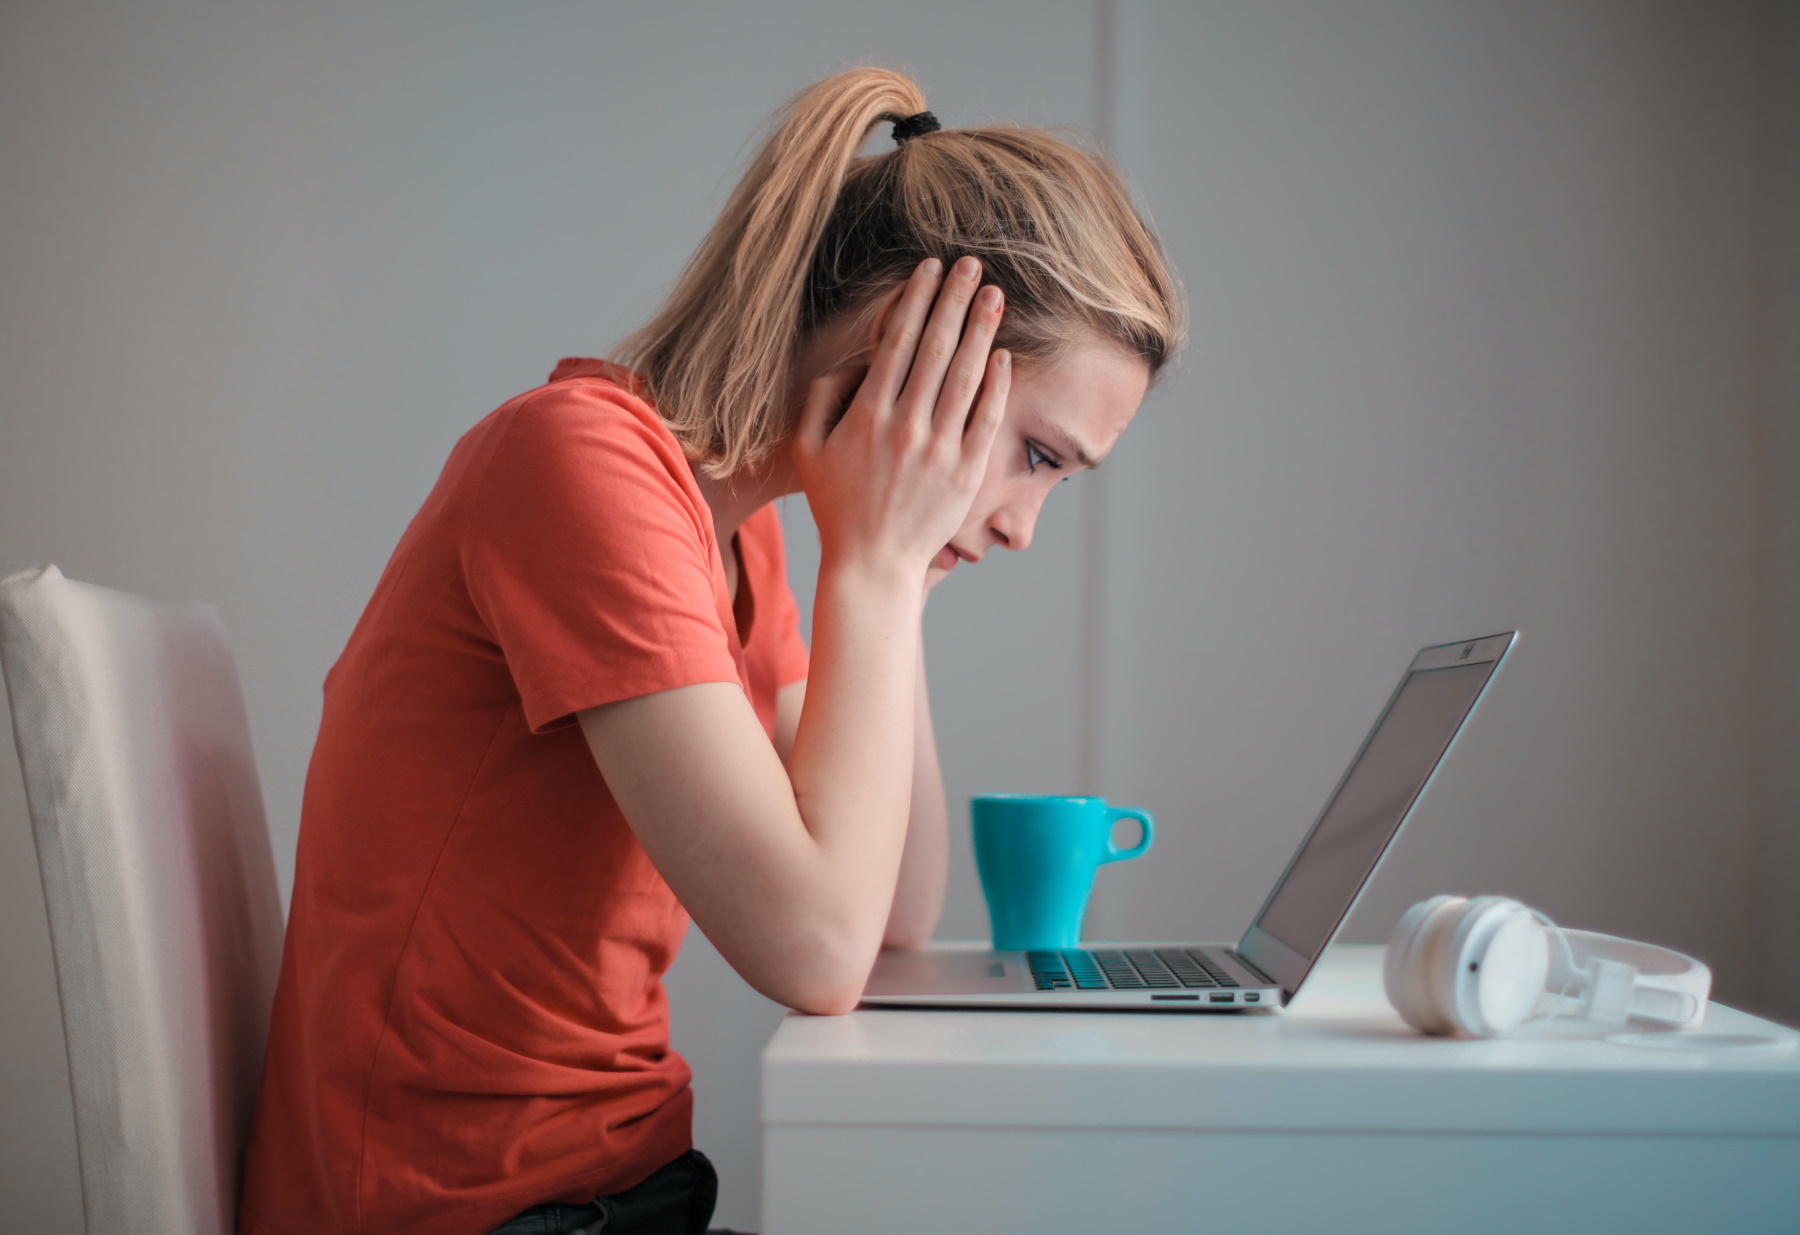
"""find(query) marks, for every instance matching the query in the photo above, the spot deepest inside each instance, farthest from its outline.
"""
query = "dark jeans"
(677, 1199)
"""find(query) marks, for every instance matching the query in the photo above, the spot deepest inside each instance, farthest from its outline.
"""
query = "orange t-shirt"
(471, 1018)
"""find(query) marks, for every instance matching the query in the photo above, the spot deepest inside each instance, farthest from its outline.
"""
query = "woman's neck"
(743, 493)
(749, 489)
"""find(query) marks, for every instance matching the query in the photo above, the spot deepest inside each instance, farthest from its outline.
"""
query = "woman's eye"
(1035, 456)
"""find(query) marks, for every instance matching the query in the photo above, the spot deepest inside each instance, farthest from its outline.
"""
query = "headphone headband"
(1666, 986)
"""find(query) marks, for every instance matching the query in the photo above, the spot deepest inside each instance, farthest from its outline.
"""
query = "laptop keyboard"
(1127, 969)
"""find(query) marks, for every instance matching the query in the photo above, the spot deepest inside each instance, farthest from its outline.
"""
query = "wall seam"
(1091, 693)
(1770, 289)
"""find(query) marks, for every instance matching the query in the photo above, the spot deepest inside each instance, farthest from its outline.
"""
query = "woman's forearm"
(853, 762)
(924, 864)
(789, 871)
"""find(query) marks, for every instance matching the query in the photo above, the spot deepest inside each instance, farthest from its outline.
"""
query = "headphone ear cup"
(1493, 968)
(1434, 969)
(1514, 966)
(1402, 942)
(1407, 971)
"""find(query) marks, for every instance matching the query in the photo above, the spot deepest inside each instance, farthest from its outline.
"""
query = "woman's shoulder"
(581, 387)
(586, 407)
(588, 369)
(589, 425)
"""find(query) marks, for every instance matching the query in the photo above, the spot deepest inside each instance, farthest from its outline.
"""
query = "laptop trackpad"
(944, 973)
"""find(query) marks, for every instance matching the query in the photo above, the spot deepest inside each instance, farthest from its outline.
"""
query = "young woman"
(577, 709)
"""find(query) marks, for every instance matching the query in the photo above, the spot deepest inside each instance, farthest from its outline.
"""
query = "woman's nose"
(1012, 524)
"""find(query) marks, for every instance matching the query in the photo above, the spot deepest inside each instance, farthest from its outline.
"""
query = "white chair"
(164, 914)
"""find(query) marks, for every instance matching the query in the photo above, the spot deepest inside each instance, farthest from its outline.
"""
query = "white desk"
(1328, 1116)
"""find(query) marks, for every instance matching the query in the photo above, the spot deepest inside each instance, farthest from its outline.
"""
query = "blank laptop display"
(1336, 860)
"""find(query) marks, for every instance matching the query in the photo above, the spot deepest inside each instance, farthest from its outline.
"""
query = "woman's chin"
(945, 559)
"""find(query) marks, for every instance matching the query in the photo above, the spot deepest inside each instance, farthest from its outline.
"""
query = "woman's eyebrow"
(1069, 448)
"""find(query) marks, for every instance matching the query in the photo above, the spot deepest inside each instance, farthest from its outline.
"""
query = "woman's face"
(1062, 417)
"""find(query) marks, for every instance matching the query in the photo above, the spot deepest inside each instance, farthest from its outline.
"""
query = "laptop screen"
(1388, 775)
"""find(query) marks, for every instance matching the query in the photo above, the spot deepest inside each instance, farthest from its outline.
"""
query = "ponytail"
(717, 357)
(812, 232)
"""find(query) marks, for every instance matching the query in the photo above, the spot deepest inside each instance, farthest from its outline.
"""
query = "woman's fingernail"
(932, 266)
(990, 297)
(968, 267)
(1004, 359)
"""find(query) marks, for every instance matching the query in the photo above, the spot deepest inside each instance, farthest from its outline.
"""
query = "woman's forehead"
(1087, 394)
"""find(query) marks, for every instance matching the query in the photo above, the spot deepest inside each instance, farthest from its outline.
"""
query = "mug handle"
(1116, 813)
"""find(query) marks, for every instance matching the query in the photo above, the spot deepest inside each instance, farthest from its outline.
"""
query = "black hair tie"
(915, 126)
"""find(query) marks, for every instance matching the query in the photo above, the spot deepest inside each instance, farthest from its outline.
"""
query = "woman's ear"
(857, 343)
(883, 308)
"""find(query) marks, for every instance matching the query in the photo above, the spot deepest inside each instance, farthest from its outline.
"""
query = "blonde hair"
(812, 232)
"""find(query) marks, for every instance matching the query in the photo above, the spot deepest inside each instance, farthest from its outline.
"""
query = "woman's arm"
(925, 858)
(791, 872)
(925, 862)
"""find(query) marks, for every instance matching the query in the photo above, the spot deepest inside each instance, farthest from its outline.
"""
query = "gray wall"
(1473, 325)
(1495, 316)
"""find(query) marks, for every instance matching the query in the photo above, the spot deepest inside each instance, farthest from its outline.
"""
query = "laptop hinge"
(1239, 958)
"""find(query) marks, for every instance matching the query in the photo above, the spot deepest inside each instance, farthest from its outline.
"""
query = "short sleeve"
(588, 555)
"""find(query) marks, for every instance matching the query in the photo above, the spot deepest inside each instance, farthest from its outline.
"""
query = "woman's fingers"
(970, 364)
(918, 424)
(900, 335)
(990, 411)
(938, 343)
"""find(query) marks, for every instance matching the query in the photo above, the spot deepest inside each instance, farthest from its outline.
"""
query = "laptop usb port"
(1252, 997)
(1218, 998)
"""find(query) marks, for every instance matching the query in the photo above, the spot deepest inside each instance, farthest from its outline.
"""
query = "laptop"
(1308, 904)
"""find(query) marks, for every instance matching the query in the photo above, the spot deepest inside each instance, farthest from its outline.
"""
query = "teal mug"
(1037, 856)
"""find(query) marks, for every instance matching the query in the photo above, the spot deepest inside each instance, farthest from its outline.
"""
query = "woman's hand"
(891, 483)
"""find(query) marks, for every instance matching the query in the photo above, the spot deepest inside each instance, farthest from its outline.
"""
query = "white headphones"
(1487, 965)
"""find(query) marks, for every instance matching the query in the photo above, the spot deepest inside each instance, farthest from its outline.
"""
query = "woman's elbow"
(828, 1003)
(829, 982)
(817, 995)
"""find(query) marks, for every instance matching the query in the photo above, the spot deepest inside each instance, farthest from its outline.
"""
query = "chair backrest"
(164, 915)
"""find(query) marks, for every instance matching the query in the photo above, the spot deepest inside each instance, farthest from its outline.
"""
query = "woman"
(577, 709)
